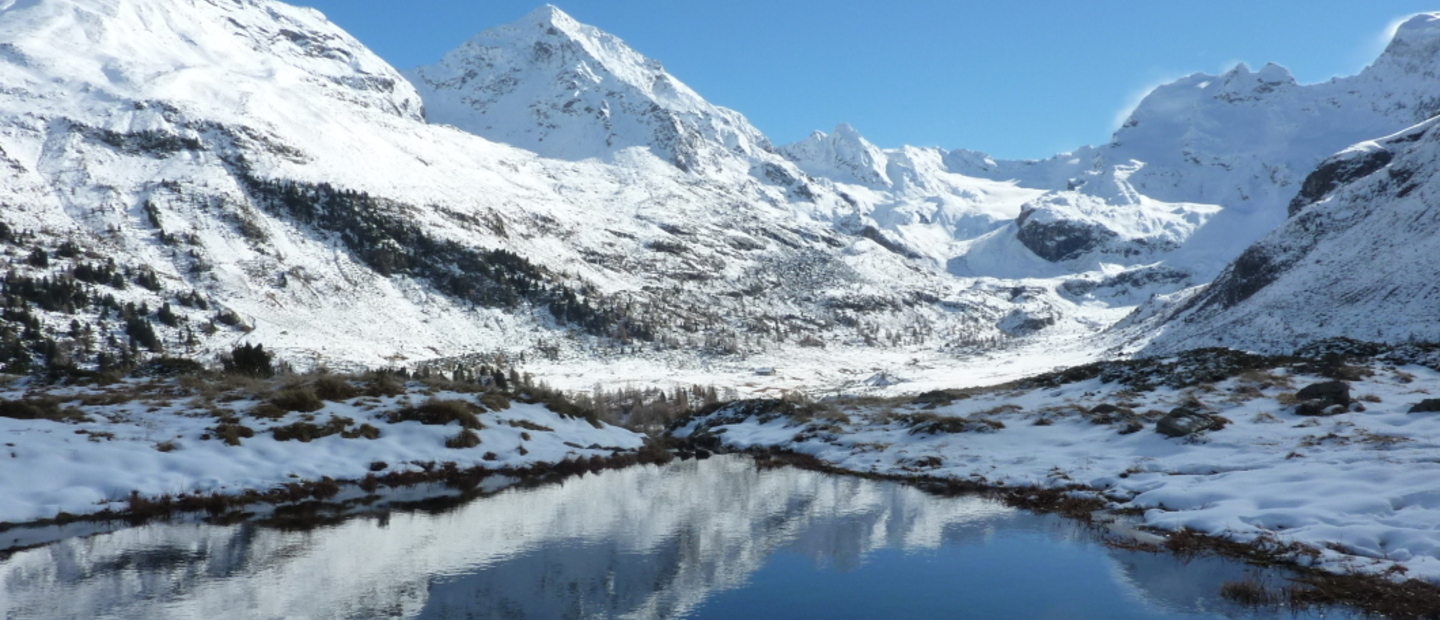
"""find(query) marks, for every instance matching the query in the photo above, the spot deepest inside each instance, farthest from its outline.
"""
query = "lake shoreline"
(1408, 599)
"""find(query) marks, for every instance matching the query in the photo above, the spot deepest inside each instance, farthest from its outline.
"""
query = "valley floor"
(1352, 491)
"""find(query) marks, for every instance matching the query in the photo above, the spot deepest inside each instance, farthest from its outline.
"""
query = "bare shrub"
(46, 408)
(465, 439)
(302, 399)
(333, 388)
(439, 412)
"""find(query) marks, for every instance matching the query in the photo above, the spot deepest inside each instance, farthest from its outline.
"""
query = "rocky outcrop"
(1062, 240)
(1322, 399)
(1183, 422)
(1429, 405)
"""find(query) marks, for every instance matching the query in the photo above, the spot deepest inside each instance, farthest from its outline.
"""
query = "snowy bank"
(86, 450)
(1354, 486)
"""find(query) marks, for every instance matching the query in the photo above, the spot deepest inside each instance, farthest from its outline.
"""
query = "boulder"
(1319, 408)
(1182, 422)
(1426, 406)
(1327, 392)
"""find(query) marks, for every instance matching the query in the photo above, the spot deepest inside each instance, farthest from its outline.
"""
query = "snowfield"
(1357, 487)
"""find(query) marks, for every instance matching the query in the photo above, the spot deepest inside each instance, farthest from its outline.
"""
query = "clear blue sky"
(1014, 79)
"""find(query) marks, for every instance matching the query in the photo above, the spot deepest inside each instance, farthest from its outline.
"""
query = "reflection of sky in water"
(711, 539)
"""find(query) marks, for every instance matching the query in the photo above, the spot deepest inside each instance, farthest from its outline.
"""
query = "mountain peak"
(1418, 28)
(548, 15)
(235, 56)
(1415, 44)
(843, 155)
(552, 21)
(848, 132)
(549, 84)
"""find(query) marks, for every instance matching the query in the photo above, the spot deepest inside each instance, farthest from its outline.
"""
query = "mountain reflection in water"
(689, 539)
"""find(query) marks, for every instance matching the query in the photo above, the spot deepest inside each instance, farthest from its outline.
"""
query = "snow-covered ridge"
(1235, 145)
(1353, 260)
(551, 85)
(153, 49)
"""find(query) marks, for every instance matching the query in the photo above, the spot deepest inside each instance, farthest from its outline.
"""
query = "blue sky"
(1014, 79)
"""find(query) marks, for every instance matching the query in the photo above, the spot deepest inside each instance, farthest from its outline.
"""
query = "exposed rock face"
(1333, 173)
(1062, 240)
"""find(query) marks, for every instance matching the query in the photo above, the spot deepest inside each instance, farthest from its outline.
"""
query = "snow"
(1355, 263)
(558, 142)
(1357, 486)
(53, 467)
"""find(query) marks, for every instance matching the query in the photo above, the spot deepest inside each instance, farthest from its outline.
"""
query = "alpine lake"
(714, 538)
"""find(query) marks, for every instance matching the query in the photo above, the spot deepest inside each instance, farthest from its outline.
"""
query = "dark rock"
(1132, 427)
(1428, 405)
(1181, 422)
(1021, 322)
(1319, 408)
(1327, 392)
(1062, 240)
(873, 234)
(701, 453)
(1107, 413)
(1336, 172)
(938, 398)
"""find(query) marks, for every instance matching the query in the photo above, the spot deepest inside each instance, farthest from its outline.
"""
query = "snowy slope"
(1356, 259)
(216, 143)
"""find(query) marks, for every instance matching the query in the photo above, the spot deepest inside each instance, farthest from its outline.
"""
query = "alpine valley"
(547, 191)
(179, 178)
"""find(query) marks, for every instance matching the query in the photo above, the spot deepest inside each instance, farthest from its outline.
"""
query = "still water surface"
(700, 539)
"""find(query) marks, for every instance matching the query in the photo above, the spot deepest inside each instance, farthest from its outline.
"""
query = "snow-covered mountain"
(212, 151)
(181, 175)
(1355, 259)
(565, 90)
(1246, 139)
(1204, 165)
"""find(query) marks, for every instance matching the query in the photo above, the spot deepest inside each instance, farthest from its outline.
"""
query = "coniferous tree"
(250, 360)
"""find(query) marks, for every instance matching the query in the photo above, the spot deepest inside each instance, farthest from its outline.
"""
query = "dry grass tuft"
(439, 412)
(465, 439)
(299, 398)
